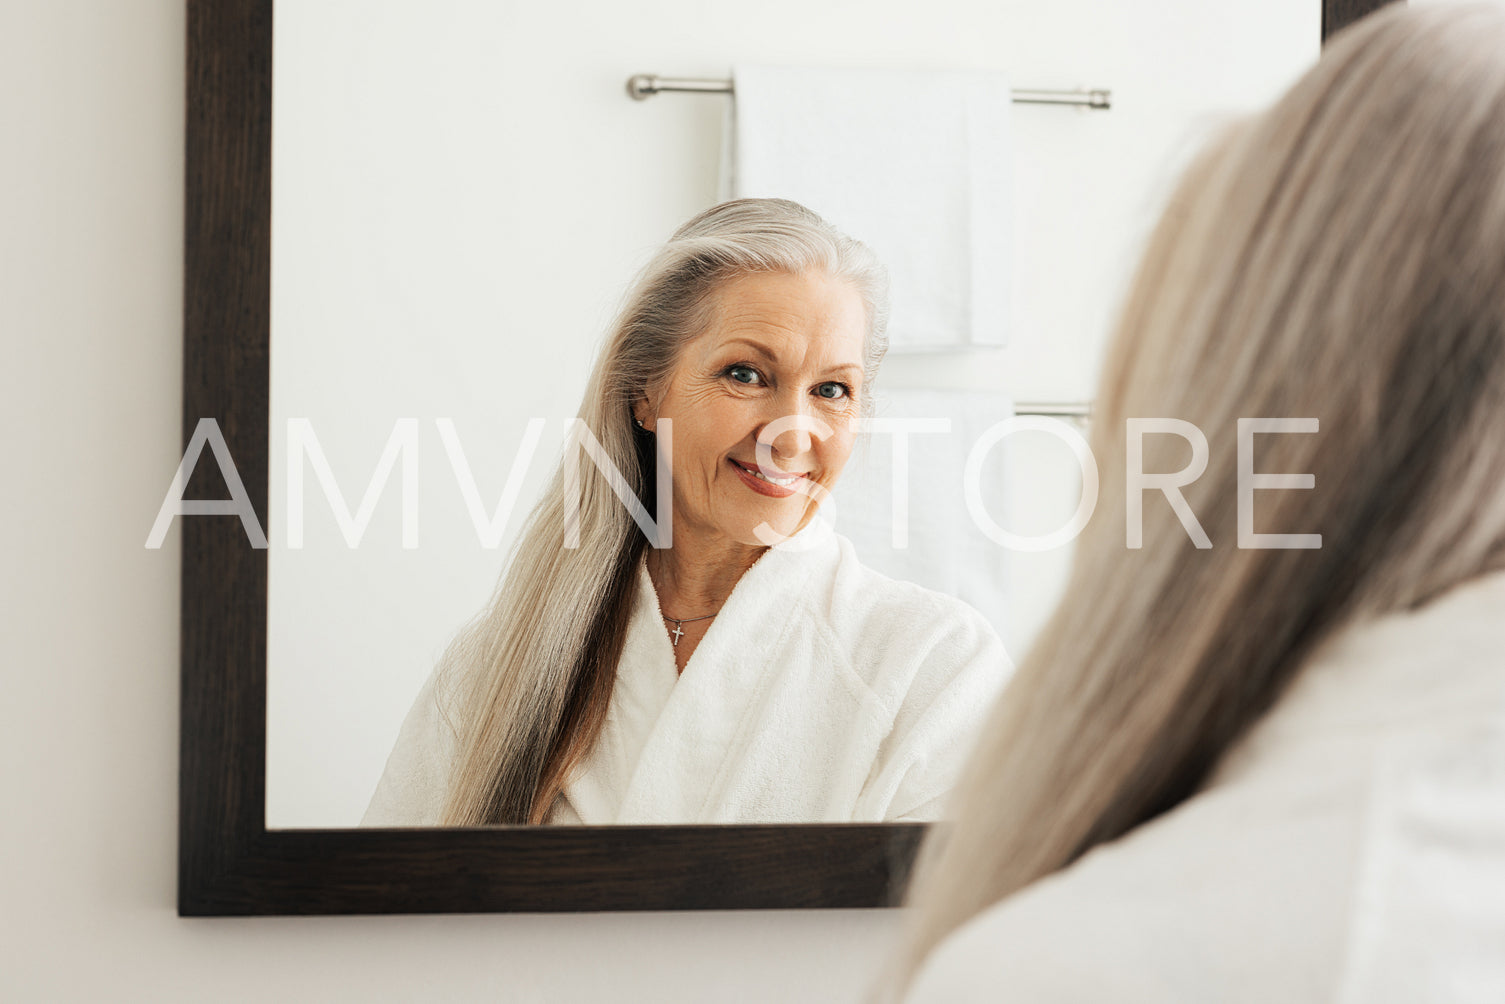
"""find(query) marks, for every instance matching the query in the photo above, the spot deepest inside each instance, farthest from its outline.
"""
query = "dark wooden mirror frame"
(229, 863)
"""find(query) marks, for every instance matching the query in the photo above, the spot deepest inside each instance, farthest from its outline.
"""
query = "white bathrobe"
(1350, 851)
(822, 692)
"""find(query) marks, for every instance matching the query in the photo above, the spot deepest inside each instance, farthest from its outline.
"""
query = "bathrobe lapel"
(646, 679)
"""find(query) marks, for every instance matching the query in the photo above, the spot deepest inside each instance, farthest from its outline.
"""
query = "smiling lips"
(772, 487)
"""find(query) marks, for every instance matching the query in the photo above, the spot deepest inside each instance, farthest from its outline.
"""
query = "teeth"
(781, 482)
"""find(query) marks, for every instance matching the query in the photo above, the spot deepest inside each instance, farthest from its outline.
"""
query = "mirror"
(461, 196)
(459, 213)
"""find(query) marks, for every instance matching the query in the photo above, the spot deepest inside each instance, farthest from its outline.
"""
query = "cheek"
(836, 451)
(711, 434)
(724, 421)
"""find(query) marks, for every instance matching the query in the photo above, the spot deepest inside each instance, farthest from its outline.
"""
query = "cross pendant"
(678, 633)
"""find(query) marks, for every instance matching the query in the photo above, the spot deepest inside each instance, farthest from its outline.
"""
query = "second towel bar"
(1072, 409)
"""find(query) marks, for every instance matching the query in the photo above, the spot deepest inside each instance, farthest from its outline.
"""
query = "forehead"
(804, 316)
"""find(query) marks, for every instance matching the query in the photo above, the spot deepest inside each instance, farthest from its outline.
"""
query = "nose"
(789, 443)
(791, 430)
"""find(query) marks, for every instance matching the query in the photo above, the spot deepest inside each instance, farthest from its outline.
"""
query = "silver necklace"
(678, 631)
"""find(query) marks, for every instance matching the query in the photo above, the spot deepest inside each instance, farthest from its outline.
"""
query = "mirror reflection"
(732, 664)
(472, 249)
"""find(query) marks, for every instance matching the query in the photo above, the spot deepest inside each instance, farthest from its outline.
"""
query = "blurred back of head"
(1339, 257)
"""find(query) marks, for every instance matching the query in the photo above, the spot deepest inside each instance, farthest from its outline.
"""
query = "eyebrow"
(757, 347)
(762, 350)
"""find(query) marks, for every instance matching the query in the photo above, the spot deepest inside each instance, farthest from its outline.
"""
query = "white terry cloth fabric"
(914, 164)
(901, 503)
(822, 692)
(1350, 850)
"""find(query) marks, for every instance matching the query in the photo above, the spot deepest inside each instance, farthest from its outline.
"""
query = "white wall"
(462, 191)
(90, 286)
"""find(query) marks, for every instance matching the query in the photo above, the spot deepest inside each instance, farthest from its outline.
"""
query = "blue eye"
(744, 375)
(833, 391)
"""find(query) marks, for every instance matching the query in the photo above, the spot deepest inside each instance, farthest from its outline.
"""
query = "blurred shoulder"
(1237, 895)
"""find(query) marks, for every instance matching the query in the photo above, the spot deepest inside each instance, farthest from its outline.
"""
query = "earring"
(639, 421)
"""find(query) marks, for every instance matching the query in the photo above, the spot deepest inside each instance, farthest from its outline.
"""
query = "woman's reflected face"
(779, 365)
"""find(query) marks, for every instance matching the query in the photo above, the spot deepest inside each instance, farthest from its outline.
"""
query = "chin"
(785, 517)
(785, 528)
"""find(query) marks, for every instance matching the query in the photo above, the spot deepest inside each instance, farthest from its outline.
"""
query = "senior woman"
(1262, 773)
(719, 679)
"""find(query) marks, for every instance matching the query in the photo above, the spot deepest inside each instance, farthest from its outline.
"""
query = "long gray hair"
(1342, 257)
(528, 682)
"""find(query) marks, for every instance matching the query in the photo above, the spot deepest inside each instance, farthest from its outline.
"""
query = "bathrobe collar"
(697, 716)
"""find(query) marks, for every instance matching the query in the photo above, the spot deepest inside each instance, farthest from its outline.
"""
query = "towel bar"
(1054, 409)
(642, 86)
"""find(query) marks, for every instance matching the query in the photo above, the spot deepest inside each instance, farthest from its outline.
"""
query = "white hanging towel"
(915, 164)
(918, 527)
